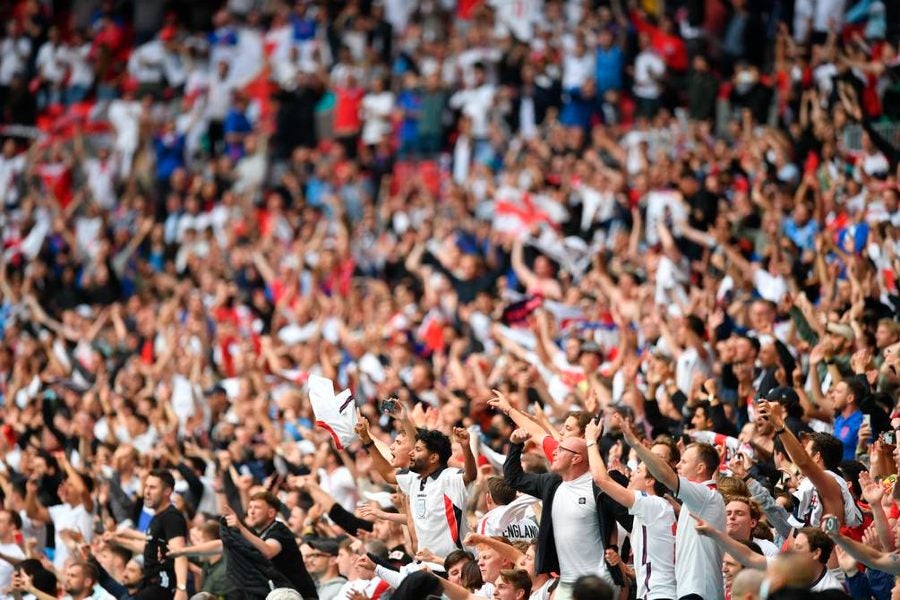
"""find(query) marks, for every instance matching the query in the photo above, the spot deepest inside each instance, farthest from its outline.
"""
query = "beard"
(417, 465)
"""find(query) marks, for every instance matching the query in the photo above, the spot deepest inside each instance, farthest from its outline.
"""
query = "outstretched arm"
(889, 562)
(659, 468)
(739, 551)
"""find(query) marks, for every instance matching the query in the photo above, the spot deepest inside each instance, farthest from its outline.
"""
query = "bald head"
(746, 584)
(791, 570)
(570, 459)
(575, 445)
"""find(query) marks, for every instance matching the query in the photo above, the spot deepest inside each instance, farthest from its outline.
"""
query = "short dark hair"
(591, 587)
(500, 491)
(88, 570)
(818, 540)
(165, 477)
(582, 418)
(858, 386)
(456, 557)
(831, 449)
(519, 578)
(437, 443)
(709, 456)
(470, 576)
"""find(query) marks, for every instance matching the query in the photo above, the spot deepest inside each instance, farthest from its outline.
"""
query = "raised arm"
(828, 488)
(523, 421)
(515, 476)
(210, 548)
(658, 468)
(614, 490)
(33, 507)
(507, 551)
(470, 472)
(379, 462)
(525, 275)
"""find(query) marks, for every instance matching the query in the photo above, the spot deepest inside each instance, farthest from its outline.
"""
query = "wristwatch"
(181, 588)
(591, 443)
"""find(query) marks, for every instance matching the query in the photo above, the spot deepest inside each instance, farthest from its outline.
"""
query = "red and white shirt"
(438, 504)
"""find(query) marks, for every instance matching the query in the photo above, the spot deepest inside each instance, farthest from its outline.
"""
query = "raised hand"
(593, 430)
(500, 402)
(519, 436)
(872, 490)
(461, 435)
(362, 430)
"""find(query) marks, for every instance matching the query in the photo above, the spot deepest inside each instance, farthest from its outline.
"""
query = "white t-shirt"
(810, 509)
(376, 113)
(574, 514)
(648, 66)
(66, 516)
(698, 559)
(438, 505)
(521, 530)
(6, 569)
(653, 544)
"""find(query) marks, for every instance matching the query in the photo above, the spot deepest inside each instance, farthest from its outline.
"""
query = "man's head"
(570, 457)
(400, 449)
(133, 574)
(490, 562)
(699, 462)
(454, 563)
(741, 516)
(499, 493)
(848, 393)
(575, 423)
(80, 579)
(746, 584)
(591, 587)
(643, 481)
(702, 420)
(813, 543)
(887, 333)
(730, 568)
(825, 449)
(321, 559)
(10, 523)
(512, 584)
(431, 451)
(262, 509)
(158, 488)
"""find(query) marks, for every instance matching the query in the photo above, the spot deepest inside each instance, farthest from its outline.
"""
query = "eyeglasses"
(567, 450)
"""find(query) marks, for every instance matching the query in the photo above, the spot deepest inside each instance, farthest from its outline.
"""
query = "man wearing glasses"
(578, 517)
(320, 558)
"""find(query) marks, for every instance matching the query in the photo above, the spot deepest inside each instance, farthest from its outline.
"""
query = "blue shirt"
(608, 73)
(847, 430)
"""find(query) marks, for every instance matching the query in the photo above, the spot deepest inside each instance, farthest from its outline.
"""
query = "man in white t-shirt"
(574, 509)
(71, 513)
(10, 552)
(437, 493)
(649, 70)
(652, 534)
(698, 559)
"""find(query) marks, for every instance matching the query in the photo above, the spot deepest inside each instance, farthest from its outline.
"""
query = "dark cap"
(783, 395)
(216, 389)
(328, 547)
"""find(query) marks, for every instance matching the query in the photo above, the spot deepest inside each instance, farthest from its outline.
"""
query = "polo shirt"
(846, 429)
(437, 503)
(653, 542)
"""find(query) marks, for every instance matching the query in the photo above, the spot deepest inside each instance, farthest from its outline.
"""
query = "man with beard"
(81, 583)
(165, 574)
(437, 493)
(274, 540)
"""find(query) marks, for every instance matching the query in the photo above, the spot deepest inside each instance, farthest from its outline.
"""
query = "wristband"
(369, 445)
(589, 444)
(779, 431)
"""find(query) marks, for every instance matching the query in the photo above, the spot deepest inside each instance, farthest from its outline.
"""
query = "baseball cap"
(328, 547)
(841, 329)
(783, 395)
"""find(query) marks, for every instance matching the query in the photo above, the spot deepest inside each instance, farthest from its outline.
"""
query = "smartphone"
(889, 438)
(867, 421)
(831, 525)
(389, 405)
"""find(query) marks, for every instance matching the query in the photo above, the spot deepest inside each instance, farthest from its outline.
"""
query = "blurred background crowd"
(504, 214)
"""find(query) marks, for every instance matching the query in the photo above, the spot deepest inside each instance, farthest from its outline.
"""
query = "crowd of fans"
(611, 286)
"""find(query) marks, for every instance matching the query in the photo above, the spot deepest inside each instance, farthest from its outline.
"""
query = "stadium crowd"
(514, 299)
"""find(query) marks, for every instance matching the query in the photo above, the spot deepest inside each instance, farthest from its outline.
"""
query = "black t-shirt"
(289, 561)
(159, 569)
